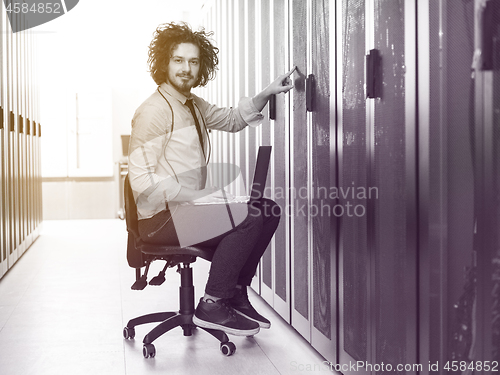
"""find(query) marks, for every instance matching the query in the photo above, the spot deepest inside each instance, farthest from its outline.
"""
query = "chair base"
(170, 320)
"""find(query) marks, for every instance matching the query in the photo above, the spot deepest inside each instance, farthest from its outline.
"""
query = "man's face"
(183, 67)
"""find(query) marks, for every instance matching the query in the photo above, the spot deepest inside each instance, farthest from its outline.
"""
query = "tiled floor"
(64, 304)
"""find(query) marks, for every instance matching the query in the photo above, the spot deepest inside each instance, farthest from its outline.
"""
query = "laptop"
(225, 214)
(258, 184)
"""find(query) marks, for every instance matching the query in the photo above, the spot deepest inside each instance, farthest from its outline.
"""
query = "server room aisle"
(64, 304)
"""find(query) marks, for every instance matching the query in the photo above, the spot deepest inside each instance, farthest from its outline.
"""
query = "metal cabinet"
(20, 186)
(386, 158)
(458, 173)
(297, 273)
(377, 179)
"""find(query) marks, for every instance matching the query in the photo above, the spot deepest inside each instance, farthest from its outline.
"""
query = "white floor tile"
(64, 304)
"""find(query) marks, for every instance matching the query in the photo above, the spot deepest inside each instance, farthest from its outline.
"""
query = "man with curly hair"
(168, 165)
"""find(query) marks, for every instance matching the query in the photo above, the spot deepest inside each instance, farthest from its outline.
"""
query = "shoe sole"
(261, 324)
(231, 331)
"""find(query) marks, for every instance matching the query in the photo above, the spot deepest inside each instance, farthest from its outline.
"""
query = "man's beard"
(185, 86)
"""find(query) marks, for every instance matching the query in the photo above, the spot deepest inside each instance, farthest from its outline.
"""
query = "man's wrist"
(260, 100)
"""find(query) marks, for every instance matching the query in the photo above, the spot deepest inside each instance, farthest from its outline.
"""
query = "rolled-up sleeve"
(231, 119)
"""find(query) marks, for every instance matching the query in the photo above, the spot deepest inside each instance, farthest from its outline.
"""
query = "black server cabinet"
(377, 169)
(485, 345)
(458, 190)
(266, 266)
(299, 171)
(354, 255)
(393, 227)
(3, 217)
(241, 69)
(20, 201)
(320, 104)
(251, 71)
(281, 136)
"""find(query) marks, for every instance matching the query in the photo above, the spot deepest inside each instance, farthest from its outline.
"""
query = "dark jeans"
(237, 252)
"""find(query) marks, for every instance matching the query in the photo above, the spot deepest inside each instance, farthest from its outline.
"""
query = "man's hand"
(281, 84)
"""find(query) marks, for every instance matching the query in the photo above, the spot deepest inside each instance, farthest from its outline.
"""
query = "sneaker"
(220, 315)
(241, 304)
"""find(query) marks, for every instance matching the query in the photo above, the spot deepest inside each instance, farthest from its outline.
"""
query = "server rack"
(20, 202)
(405, 115)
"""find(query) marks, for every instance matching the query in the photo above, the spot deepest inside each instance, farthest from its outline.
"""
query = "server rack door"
(3, 245)
(27, 127)
(13, 199)
(280, 157)
(30, 124)
(430, 200)
(266, 48)
(219, 82)
(22, 186)
(228, 86)
(20, 104)
(323, 177)
(18, 146)
(485, 348)
(27, 191)
(299, 172)
(250, 75)
(14, 148)
(38, 174)
(24, 83)
(449, 192)
(378, 256)
(6, 63)
(241, 69)
(354, 257)
(32, 179)
(249, 57)
(392, 171)
(31, 139)
(491, 310)
(6, 72)
(12, 192)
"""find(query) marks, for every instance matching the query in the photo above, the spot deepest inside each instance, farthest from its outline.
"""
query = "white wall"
(99, 45)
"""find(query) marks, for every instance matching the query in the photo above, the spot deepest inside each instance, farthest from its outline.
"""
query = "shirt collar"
(174, 93)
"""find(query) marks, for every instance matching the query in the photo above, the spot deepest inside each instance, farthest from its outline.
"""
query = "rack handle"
(310, 92)
(272, 107)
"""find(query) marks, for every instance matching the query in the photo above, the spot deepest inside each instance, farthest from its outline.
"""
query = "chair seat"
(160, 250)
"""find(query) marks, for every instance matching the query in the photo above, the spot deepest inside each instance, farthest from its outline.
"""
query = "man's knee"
(254, 219)
(270, 209)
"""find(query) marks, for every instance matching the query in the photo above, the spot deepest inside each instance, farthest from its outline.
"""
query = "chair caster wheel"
(128, 333)
(227, 348)
(148, 351)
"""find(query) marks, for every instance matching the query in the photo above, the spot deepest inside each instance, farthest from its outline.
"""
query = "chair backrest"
(134, 255)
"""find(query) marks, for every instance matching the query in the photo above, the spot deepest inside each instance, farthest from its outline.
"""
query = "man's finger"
(286, 88)
(288, 74)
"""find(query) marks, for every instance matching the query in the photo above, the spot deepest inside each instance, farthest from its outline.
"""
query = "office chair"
(141, 254)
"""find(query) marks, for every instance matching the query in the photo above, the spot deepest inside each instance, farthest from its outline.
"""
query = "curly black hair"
(167, 37)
